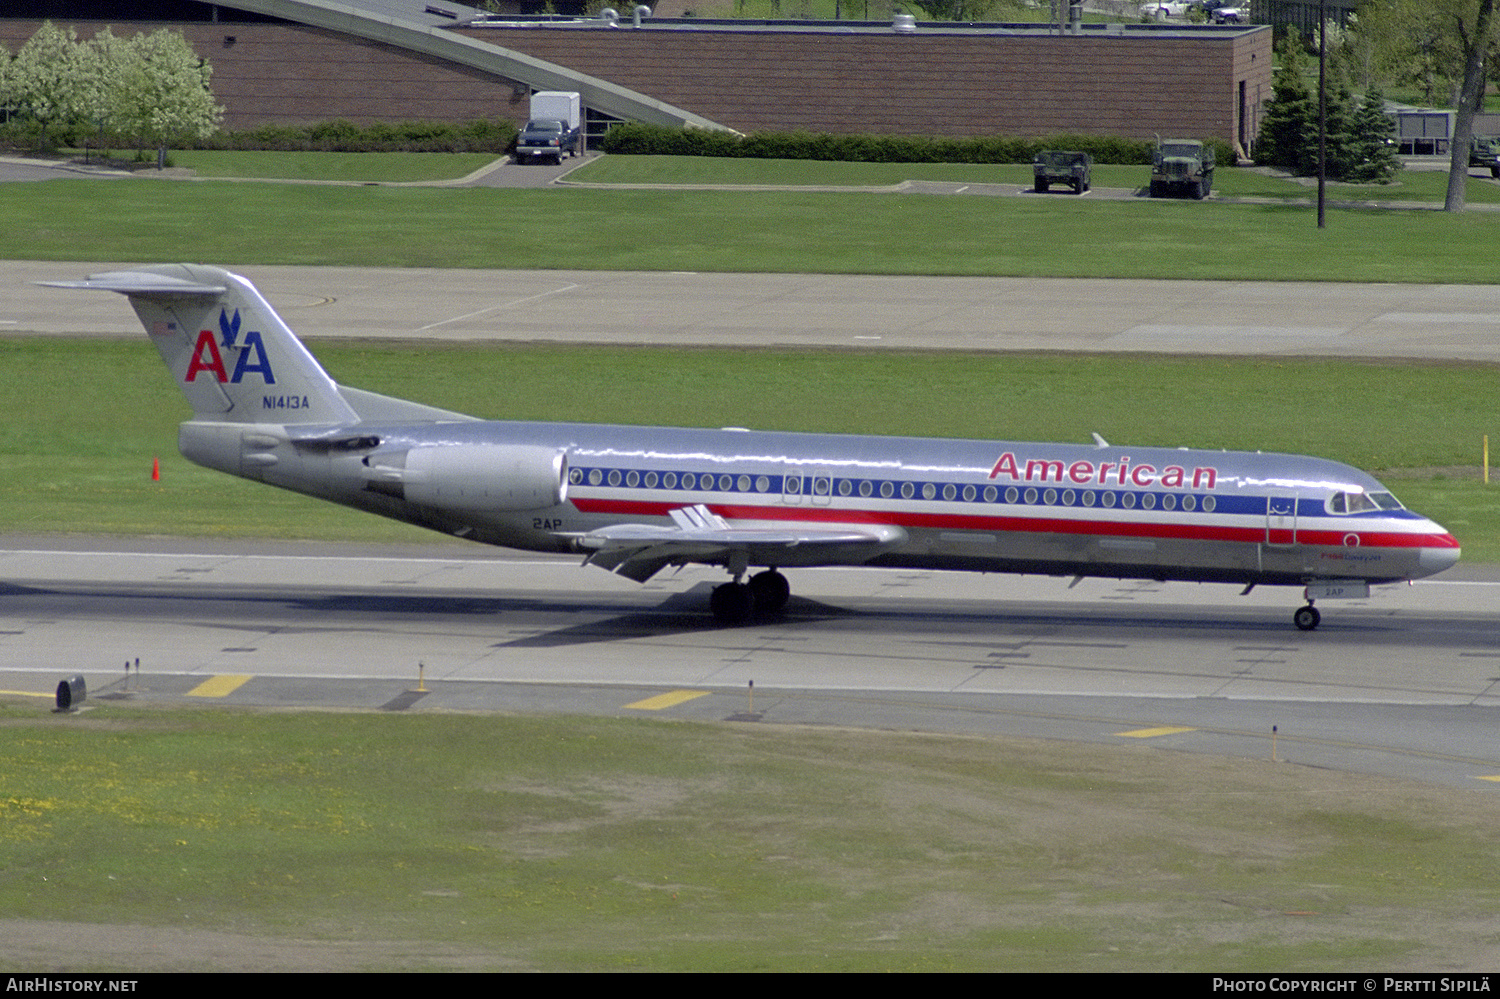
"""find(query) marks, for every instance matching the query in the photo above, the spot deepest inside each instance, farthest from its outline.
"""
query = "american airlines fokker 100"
(635, 500)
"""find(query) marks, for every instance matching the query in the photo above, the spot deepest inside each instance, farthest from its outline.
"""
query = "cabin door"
(1281, 518)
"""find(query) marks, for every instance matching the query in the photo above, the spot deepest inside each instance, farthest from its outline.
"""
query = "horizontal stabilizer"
(140, 283)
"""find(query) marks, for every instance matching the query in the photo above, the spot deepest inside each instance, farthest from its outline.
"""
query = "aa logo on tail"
(249, 355)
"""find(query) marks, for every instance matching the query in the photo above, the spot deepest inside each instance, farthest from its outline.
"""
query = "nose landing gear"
(1307, 618)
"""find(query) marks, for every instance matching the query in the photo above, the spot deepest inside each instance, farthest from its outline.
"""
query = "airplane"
(635, 500)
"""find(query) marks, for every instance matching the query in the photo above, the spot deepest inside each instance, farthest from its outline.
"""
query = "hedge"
(482, 136)
(659, 140)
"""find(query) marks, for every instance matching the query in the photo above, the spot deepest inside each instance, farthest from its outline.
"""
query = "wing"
(640, 551)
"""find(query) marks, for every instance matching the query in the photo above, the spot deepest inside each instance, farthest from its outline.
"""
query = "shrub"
(659, 140)
(481, 136)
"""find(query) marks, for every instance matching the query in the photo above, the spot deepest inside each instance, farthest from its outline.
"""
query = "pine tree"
(1288, 113)
(1340, 144)
(1375, 160)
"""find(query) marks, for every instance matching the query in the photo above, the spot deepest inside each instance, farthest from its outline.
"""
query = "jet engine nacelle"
(486, 477)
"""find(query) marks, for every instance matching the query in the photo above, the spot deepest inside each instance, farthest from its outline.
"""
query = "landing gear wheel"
(1040, 186)
(731, 603)
(770, 590)
(1307, 618)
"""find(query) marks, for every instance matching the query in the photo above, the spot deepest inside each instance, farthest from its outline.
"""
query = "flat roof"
(788, 26)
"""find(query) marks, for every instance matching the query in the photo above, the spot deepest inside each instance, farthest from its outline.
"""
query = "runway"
(1405, 683)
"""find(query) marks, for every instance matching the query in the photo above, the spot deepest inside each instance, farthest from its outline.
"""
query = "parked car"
(1167, 8)
(1221, 11)
(1061, 166)
(1484, 152)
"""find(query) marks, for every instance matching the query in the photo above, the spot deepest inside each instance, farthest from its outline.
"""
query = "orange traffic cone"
(155, 469)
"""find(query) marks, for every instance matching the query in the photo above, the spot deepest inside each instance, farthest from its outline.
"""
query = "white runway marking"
(503, 305)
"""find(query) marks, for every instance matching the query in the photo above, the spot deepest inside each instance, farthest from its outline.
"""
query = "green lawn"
(354, 167)
(413, 841)
(1410, 185)
(734, 231)
(351, 168)
(77, 467)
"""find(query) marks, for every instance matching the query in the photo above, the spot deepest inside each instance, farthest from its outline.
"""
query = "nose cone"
(1431, 561)
(1439, 551)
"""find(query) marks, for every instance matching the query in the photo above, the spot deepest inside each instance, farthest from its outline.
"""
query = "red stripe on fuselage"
(1027, 525)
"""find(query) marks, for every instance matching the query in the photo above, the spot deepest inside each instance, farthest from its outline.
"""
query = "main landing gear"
(1307, 618)
(765, 593)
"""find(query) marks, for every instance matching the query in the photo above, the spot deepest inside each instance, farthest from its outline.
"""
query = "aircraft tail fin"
(230, 353)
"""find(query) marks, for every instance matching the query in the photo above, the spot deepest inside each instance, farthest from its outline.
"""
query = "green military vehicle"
(1182, 166)
(1059, 166)
(1484, 152)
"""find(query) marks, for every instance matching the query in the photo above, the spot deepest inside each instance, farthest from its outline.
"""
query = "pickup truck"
(546, 139)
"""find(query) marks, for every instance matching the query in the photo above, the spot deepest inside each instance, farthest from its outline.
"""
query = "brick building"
(298, 61)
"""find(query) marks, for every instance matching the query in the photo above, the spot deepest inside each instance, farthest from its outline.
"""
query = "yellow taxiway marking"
(1494, 778)
(1151, 733)
(220, 686)
(26, 693)
(668, 700)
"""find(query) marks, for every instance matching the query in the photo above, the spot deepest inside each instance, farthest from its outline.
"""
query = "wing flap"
(639, 551)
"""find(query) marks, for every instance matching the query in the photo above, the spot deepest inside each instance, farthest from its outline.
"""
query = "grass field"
(1423, 186)
(733, 231)
(1419, 186)
(444, 842)
(84, 467)
(351, 167)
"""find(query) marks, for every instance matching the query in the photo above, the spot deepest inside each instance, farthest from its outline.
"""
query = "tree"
(1292, 106)
(1476, 37)
(1373, 157)
(162, 91)
(47, 78)
(1357, 133)
(106, 56)
(954, 10)
(1341, 146)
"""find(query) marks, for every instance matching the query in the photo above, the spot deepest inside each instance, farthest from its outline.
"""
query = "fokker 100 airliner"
(635, 500)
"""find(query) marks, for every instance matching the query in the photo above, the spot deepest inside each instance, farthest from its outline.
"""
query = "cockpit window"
(1362, 502)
